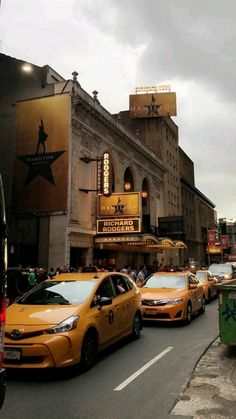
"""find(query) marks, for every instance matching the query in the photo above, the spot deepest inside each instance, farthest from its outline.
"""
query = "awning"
(138, 242)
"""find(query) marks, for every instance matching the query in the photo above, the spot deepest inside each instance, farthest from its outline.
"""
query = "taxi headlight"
(64, 326)
(227, 276)
(175, 301)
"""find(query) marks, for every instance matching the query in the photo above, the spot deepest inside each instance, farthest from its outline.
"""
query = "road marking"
(141, 370)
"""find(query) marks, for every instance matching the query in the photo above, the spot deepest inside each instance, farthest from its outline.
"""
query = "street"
(135, 379)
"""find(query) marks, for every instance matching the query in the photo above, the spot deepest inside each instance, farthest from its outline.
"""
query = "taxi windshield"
(202, 276)
(220, 269)
(165, 281)
(58, 292)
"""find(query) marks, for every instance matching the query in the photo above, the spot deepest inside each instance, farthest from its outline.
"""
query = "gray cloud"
(117, 45)
(194, 39)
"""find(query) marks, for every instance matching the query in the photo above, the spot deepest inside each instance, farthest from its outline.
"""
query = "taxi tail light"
(65, 326)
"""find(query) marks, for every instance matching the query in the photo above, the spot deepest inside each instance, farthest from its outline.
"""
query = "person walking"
(32, 278)
(141, 274)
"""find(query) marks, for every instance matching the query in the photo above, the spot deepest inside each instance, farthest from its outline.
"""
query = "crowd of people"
(21, 279)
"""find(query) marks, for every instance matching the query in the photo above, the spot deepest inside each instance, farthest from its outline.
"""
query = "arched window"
(128, 181)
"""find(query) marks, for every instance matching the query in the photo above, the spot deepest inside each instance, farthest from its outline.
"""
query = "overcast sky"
(116, 45)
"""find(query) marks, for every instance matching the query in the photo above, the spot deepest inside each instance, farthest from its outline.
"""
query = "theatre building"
(82, 189)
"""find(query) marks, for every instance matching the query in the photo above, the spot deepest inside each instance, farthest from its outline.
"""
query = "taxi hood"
(38, 315)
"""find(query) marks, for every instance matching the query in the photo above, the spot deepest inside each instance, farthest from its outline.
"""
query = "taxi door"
(106, 317)
(124, 305)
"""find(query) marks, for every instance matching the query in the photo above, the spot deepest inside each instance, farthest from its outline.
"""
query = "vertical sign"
(106, 174)
(224, 241)
(234, 247)
(211, 237)
(99, 175)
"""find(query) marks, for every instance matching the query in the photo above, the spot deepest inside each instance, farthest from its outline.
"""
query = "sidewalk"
(211, 392)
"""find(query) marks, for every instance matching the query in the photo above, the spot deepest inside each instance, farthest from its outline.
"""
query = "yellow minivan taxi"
(66, 320)
(172, 296)
(209, 283)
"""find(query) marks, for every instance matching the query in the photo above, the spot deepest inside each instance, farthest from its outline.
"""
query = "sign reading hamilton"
(39, 163)
(40, 183)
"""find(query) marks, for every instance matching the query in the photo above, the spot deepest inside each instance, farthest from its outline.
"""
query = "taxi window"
(128, 283)
(202, 276)
(192, 280)
(105, 289)
(119, 283)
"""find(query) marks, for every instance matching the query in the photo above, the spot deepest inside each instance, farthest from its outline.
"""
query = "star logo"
(153, 107)
(118, 207)
(39, 164)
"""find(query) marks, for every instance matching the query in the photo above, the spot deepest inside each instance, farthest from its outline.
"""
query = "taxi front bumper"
(167, 312)
(44, 352)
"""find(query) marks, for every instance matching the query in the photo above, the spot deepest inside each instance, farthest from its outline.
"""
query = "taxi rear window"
(58, 292)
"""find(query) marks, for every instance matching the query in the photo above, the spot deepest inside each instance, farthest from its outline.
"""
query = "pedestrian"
(51, 273)
(141, 274)
(32, 280)
(131, 272)
(41, 275)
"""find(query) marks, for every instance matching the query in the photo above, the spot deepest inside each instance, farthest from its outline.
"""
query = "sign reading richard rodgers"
(127, 225)
(41, 164)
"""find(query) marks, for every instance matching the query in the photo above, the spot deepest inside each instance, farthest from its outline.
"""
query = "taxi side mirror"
(103, 301)
(210, 279)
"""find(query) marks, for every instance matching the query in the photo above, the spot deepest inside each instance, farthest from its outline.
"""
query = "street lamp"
(127, 186)
(27, 68)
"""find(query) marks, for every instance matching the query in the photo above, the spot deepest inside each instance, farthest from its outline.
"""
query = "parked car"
(223, 271)
(172, 296)
(209, 284)
(66, 320)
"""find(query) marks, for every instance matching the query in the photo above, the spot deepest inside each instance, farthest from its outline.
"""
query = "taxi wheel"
(137, 326)
(188, 314)
(89, 351)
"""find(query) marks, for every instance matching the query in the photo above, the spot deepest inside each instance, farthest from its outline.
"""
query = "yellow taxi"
(209, 283)
(68, 319)
(172, 296)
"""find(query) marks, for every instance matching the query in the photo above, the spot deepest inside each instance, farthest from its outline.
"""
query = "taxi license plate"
(13, 354)
(150, 311)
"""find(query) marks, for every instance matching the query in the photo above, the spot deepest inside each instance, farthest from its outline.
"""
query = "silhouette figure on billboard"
(153, 107)
(42, 137)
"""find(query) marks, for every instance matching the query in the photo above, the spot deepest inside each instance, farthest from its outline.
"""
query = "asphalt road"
(136, 379)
